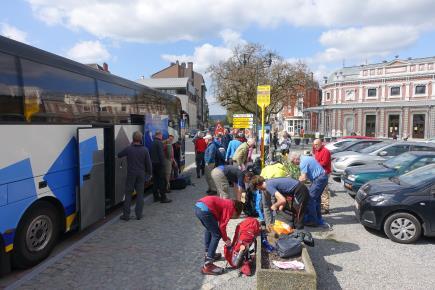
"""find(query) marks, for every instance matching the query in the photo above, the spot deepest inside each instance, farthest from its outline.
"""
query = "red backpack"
(245, 234)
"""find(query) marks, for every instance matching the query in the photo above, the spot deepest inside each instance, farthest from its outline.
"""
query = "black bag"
(287, 247)
(178, 183)
(303, 236)
(249, 206)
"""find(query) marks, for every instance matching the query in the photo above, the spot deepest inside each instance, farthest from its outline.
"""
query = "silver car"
(379, 152)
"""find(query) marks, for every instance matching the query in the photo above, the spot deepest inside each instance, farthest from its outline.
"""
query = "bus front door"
(91, 198)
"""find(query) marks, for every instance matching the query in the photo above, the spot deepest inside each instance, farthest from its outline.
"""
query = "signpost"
(263, 100)
(243, 121)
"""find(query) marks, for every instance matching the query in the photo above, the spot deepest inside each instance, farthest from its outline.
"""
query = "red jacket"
(222, 210)
(323, 156)
(200, 145)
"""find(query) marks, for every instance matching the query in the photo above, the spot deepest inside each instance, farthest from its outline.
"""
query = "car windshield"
(343, 142)
(418, 176)
(403, 160)
(373, 148)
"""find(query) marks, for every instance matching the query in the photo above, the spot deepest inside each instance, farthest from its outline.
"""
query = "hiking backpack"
(245, 234)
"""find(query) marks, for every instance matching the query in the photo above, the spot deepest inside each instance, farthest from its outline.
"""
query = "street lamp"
(264, 64)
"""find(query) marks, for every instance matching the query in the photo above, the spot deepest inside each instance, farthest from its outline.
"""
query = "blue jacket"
(213, 154)
(232, 147)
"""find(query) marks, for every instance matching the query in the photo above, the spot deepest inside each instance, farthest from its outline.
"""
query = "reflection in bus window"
(56, 95)
(117, 103)
(11, 99)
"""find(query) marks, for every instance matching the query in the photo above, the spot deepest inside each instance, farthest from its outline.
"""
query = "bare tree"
(235, 80)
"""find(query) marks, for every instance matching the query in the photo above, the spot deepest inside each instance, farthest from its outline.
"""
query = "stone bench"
(284, 279)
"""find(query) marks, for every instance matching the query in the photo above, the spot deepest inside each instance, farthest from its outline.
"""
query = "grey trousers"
(134, 182)
(221, 183)
(208, 168)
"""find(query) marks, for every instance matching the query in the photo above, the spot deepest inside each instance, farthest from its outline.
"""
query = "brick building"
(380, 100)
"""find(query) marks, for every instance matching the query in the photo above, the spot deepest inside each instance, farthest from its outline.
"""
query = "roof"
(164, 83)
(421, 103)
(353, 72)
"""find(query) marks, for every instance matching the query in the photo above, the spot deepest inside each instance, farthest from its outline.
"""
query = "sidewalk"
(164, 250)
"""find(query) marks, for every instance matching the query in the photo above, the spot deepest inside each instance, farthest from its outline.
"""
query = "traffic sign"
(263, 95)
(242, 121)
(243, 116)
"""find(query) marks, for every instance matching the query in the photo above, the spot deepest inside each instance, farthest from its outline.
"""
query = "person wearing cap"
(225, 174)
(210, 161)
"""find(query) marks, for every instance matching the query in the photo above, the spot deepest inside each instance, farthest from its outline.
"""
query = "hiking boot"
(166, 200)
(124, 218)
(217, 257)
(211, 269)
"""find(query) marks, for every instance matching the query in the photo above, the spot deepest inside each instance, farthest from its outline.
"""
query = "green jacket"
(241, 154)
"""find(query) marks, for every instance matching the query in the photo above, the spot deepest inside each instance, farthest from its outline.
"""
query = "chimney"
(183, 65)
(172, 63)
(105, 67)
(190, 65)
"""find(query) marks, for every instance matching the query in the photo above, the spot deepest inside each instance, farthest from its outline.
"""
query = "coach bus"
(62, 124)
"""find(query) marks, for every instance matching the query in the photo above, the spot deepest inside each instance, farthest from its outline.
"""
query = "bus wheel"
(36, 235)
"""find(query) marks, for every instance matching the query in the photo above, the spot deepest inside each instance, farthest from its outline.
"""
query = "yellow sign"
(243, 121)
(263, 95)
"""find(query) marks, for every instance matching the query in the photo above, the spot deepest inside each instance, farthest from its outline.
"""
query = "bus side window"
(11, 98)
(57, 96)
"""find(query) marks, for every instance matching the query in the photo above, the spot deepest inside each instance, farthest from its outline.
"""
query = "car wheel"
(36, 235)
(402, 228)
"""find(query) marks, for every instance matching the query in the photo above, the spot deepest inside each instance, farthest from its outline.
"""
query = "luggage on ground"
(287, 247)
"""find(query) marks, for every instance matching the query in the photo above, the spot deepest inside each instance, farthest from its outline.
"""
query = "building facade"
(380, 100)
(190, 89)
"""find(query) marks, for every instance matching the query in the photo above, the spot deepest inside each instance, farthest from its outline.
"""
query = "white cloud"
(13, 32)
(88, 52)
(164, 20)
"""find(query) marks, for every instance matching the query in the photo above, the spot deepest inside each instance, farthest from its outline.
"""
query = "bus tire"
(36, 235)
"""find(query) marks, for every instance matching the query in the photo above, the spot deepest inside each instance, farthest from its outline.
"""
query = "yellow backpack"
(274, 171)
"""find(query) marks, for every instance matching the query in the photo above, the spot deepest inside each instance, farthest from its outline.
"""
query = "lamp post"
(264, 64)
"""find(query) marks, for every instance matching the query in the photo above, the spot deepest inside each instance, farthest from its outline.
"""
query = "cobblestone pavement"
(164, 250)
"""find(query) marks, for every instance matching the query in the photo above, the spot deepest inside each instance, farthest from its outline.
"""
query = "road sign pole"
(262, 136)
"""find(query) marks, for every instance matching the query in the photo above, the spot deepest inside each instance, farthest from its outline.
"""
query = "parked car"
(366, 150)
(354, 177)
(381, 154)
(337, 144)
(355, 145)
(403, 207)
(357, 137)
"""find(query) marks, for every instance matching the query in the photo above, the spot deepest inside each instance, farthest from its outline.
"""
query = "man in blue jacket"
(232, 147)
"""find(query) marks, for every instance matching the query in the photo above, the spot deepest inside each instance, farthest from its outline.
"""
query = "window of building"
(420, 89)
(418, 125)
(328, 96)
(370, 125)
(372, 93)
(395, 91)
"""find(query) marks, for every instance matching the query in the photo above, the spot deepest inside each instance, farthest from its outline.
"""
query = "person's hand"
(281, 207)
(228, 243)
(273, 207)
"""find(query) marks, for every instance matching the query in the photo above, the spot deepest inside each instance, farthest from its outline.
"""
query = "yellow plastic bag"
(281, 228)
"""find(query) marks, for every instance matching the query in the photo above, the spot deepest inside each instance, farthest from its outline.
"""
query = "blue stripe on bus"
(3, 195)
(87, 149)
(23, 185)
(62, 176)
(8, 237)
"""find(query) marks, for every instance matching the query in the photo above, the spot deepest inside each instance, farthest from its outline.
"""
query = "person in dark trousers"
(290, 194)
(157, 158)
(139, 168)
(214, 214)
(200, 146)
(275, 139)
(226, 139)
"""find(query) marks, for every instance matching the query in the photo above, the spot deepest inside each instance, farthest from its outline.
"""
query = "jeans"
(314, 214)
(212, 234)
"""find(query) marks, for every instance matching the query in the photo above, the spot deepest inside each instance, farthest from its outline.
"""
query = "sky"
(140, 37)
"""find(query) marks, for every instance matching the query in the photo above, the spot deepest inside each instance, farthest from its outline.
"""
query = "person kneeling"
(214, 213)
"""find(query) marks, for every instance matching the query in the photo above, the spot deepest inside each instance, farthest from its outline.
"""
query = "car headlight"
(351, 177)
(377, 198)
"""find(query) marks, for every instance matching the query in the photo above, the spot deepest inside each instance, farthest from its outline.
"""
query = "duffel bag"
(178, 183)
(287, 247)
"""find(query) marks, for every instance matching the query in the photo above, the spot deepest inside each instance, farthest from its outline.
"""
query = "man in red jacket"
(214, 213)
(323, 156)
(200, 146)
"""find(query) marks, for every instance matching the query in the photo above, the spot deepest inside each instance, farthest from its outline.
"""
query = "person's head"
(267, 131)
(317, 144)
(258, 182)
(238, 207)
(137, 137)
(295, 158)
(227, 131)
(247, 175)
(200, 134)
(208, 138)
(158, 135)
(171, 138)
(251, 142)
